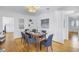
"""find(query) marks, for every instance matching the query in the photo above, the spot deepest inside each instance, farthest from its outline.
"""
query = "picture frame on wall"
(45, 23)
(21, 23)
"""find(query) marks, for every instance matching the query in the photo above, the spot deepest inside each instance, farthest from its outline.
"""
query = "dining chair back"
(23, 36)
(49, 40)
(30, 39)
(43, 33)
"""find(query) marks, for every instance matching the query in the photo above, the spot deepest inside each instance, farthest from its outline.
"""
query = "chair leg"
(28, 45)
(36, 47)
(21, 40)
(24, 42)
(40, 46)
(51, 48)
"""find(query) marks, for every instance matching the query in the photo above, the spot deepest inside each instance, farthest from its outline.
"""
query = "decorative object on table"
(34, 30)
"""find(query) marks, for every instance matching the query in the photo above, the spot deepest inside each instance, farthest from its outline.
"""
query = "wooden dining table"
(38, 38)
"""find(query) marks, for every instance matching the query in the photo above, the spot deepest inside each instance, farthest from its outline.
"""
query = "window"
(21, 23)
(45, 23)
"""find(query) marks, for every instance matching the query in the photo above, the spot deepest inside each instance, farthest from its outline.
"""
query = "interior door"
(9, 22)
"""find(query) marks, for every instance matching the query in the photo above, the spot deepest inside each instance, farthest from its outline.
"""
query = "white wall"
(56, 25)
(16, 17)
(56, 20)
(1, 28)
(34, 25)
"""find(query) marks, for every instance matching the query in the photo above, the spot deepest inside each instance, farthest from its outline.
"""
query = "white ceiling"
(22, 9)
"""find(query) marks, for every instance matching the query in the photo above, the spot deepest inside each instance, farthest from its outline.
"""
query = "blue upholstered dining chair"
(23, 36)
(43, 34)
(47, 42)
(30, 40)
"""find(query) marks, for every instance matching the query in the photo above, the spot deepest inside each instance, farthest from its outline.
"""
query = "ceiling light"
(32, 9)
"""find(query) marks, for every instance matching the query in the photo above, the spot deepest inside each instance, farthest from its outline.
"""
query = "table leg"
(38, 46)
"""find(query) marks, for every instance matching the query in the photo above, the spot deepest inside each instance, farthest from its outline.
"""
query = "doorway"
(73, 25)
(8, 24)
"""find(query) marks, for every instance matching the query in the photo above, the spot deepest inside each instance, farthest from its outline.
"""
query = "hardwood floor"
(72, 34)
(15, 45)
(9, 44)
